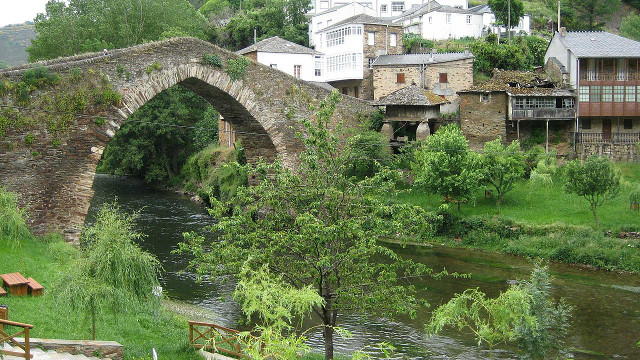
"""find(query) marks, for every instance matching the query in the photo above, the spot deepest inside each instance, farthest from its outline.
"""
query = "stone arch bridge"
(55, 187)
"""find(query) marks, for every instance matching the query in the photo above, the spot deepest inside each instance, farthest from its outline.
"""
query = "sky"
(19, 11)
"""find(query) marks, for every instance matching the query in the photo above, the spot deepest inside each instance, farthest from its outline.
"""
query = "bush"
(39, 76)
(13, 228)
(212, 59)
(365, 153)
(237, 68)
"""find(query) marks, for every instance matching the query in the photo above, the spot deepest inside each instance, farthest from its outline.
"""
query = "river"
(606, 316)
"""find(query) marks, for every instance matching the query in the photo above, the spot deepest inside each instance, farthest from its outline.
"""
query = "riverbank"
(46, 259)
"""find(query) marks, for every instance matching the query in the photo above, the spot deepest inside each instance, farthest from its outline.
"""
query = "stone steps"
(39, 354)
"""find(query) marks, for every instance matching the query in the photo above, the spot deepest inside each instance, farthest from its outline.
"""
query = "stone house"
(412, 113)
(351, 45)
(443, 74)
(516, 105)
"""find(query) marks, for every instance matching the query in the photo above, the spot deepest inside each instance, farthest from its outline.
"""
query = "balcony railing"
(543, 114)
(606, 138)
(627, 76)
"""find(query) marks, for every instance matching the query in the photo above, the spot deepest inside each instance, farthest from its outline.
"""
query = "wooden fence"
(216, 338)
(11, 339)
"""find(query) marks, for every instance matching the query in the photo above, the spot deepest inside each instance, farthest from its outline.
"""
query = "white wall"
(558, 50)
(439, 29)
(319, 22)
(285, 63)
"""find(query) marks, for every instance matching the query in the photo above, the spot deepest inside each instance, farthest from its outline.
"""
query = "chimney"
(563, 31)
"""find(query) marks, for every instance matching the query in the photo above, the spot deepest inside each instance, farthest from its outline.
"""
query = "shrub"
(29, 139)
(13, 228)
(212, 59)
(153, 67)
(106, 97)
(365, 153)
(39, 76)
(237, 68)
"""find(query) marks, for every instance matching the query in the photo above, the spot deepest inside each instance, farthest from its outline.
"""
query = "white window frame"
(448, 18)
(393, 40)
(324, 4)
(273, 66)
(397, 6)
(297, 71)
(371, 38)
(468, 19)
(383, 8)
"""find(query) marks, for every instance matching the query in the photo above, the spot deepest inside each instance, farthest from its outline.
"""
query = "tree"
(76, 26)
(630, 27)
(592, 14)
(112, 270)
(445, 165)
(503, 166)
(595, 180)
(366, 153)
(414, 43)
(524, 315)
(315, 227)
(507, 11)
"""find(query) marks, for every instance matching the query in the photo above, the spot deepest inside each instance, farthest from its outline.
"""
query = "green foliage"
(13, 228)
(489, 56)
(39, 77)
(100, 121)
(237, 68)
(524, 315)
(160, 136)
(212, 59)
(507, 11)
(592, 14)
(545, 171)
(316, 228)
(630, 27)
(112, 271)
(596, 180)
(503, 166)
(634, 195)
(445, 165)
(414, 43)
(374, 121)
(155, 66)
(77, 26)
(29, 139)
(366, 153)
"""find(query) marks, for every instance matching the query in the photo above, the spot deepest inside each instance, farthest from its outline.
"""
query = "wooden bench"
(16, 283)
(35, 289)
(3, 292)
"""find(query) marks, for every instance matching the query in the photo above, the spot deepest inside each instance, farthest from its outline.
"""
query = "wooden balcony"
(543, 114)
(606, 138)
(609, 76)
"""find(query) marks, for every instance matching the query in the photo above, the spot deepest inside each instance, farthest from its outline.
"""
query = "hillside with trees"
(14, 40)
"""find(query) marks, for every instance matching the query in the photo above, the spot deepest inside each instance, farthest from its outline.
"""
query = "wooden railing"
(606, 138)
(216, 338)
(11, 339)
(609, 76)
(543, 114)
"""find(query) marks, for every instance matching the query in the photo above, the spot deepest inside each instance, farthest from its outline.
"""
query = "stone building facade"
(443, 74)
(483, 116)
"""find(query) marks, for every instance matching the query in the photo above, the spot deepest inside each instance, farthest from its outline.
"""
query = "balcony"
(606, 138)
(543, 114)
(609, 76)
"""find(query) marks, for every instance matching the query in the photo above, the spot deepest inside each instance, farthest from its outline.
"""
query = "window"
(340, 63)
(356, 91)
(383, 8)
(583, 95)
(336, 37)
(443, 78)
(448, 18)
(393, 39)
(628, 124)
(485, 98)
(595, 93)
(468, 19)
(607, 94)
(273, 66)
(318, 72)
(296, 71)
(345, 91)
(430, 20)
(400, 78)
(586, 124)
(536, 102)
(371, 60)
(631, 94)
(371, 38)
(324, 4)
(618, 93)
(568, 103)
(397, 6)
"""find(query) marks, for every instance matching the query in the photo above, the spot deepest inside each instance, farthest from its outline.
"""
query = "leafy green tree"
(445, 165)
(76, 26)
(112, 270)
(503, 166)
(414, 43)
(630, 27)
(158, 138)
(507, 10)
(593, 14)
(489, 56)
(524, 315)
(595, 179)
(366, 153)
(316, 228)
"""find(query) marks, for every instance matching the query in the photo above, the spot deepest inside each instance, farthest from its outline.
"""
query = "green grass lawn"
(138, 332)
(540, 204)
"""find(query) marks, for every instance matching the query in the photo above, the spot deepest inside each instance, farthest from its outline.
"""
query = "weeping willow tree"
(112, 271)
(13, 228)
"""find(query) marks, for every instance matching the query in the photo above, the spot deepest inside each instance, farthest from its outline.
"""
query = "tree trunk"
(328, 341)
(595, 216)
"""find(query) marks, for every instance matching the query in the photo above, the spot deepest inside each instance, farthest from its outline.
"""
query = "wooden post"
(190, 334)
(518, 129)
(4, 314)
(27, 347)
(547, 139)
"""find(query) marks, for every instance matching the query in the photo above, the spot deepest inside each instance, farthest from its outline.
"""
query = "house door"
(606, 129)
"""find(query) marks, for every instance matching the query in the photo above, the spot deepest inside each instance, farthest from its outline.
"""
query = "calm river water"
(606, 305)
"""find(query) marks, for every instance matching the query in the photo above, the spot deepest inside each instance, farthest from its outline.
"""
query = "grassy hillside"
(14, 40)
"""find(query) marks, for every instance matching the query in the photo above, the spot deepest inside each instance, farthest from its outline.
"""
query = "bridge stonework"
(264, 107)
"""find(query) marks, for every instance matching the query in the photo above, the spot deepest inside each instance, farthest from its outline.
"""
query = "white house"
(294, 59)
(381, 8)
(436, 21)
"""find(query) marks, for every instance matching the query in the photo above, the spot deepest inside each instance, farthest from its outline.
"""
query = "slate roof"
(412, 95)
(417, 59)
(362, 19)
(599, 44)
(278, 45)
(522, 83)
(324, 85)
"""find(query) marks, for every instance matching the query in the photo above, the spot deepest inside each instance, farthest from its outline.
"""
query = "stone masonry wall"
(381, 46)
(615, 152)
(89, 348)
(54, 184)
(483, 121)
